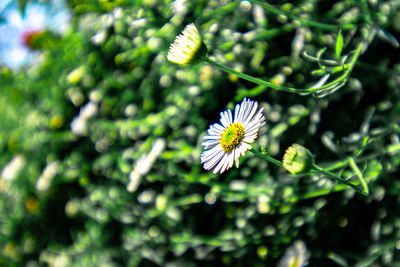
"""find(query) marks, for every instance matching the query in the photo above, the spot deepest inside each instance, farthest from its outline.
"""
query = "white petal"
(258, 119)
(212, 131)
(249, 139)
(231, 159)
(255, 128)
(220, 164)
(249, 108)
(251, 114)
(246, 105)
(227, 164)
(237, 109)
(255, 124)
(210, 143)
(237, 156)
(241, 110)
(212, 162)
(218, 127)
(224, 119)
(252, 132)
(207, 154)
(230, 116)
(243, 148)
(212, 137)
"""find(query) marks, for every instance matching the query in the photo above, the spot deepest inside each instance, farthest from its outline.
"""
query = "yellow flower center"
(231, 137)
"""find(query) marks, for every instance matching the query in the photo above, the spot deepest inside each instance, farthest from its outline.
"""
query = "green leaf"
(339, 45)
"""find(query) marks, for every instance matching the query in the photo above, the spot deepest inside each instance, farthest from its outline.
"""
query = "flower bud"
(297, 159)
(188, 47)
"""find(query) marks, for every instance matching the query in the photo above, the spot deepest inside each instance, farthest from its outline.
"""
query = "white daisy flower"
(230, 139)
(188, 47)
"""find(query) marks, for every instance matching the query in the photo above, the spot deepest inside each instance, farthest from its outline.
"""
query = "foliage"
(102, 138)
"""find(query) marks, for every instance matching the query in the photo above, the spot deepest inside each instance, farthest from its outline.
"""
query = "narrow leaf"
(339, 45)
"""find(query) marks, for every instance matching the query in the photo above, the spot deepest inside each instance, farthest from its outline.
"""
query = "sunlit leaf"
(339, 45)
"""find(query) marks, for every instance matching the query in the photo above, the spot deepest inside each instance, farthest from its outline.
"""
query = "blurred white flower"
(49, 172)
(88, 111)
(295, 256)
(79, 126)
(80, 122)
(143, 164)
(12, 169)
(179, 7)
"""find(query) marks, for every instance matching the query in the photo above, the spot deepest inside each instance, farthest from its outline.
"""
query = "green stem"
(355, 168)
(266, 157)
(316, 168)
(341, 79)
(323, 191)
(379, 251)
(253, 79)
(366, 14)
(304, 22)
(345, 162)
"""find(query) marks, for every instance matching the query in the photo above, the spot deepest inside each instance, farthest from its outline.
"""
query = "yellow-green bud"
(297, 159)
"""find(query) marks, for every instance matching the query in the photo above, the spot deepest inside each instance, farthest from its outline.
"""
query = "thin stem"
(304, 22)
(355, 168)
(342, 78)
(253, 79)
(379, 251)
(366, 14)
(316, 168)
(337, 83)
(266, 157)
(324, 191)
(345, 162)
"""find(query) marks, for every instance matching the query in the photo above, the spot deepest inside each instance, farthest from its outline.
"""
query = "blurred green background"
(100, 137)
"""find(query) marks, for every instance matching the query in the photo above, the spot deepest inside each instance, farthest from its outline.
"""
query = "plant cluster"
(111, 155)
